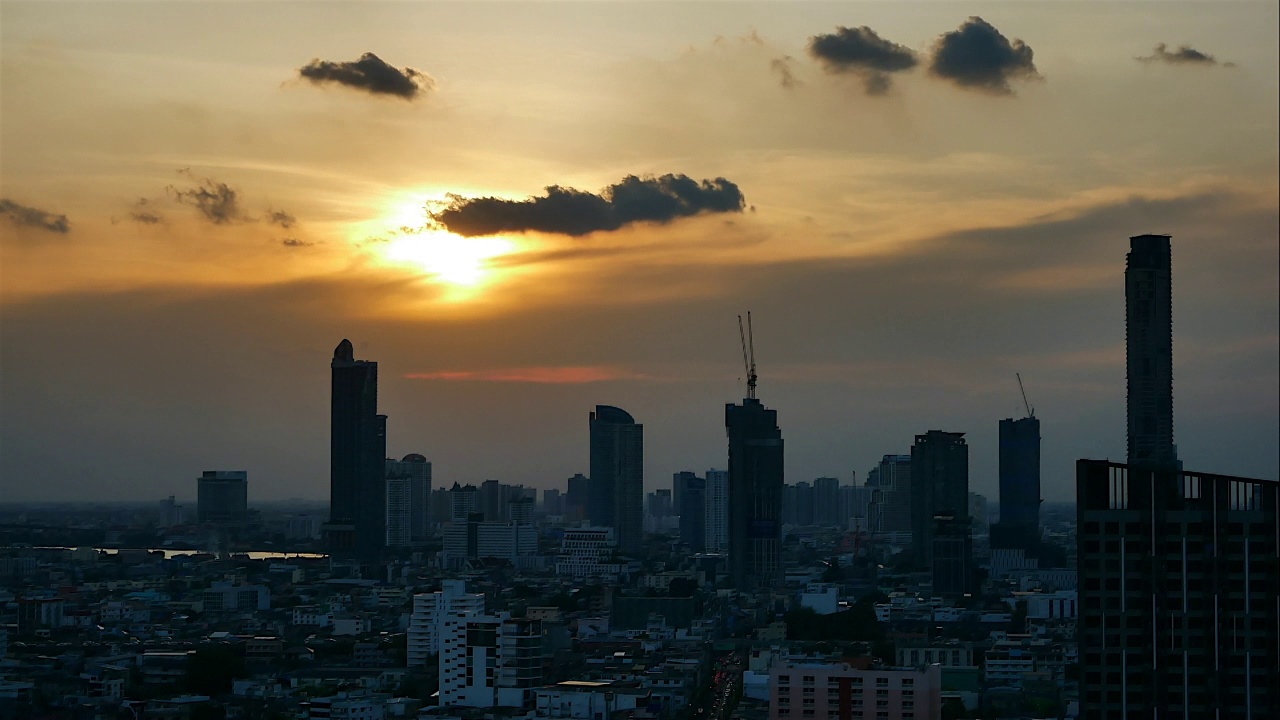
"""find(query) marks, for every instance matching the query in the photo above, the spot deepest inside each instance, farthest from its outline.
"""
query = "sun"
(459, 261)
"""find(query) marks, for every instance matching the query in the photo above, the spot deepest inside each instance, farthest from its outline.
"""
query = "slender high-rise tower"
(1148, 299)
(755, 495)
(615, 495)
(1019, 526)
(358, 450)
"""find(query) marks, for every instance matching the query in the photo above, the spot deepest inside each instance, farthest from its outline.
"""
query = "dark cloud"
(142, 212)
(295, 243)
(1184, 55)
(862, 52)
(33, 217)
(282, 218)
(370, 74)
(218, 202)
(566, 211)
(782, 66)
(978, 56)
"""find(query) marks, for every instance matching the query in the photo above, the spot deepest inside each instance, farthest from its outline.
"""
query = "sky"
(522, 210)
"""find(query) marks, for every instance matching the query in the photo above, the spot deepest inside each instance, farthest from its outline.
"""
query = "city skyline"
(189, 224)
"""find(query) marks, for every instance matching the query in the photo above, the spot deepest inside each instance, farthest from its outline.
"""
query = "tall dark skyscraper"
(679, 481)
(576, 497)
(755, 495)
(939, 489)
(1148, 296)
(693, 513)
(615, 496)
(357, 461)
(1019, 525)
(222, 497)
(826, 503)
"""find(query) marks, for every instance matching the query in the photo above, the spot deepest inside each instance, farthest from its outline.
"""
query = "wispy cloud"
(34, 217)
(1184, 55)
(571, 375)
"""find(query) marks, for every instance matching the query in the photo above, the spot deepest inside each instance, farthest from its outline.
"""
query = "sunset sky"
(199, 200)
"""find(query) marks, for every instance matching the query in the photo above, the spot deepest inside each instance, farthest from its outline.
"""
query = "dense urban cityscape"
(732, 594)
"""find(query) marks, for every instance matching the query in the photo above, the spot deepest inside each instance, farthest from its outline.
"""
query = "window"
(908, 682)
(782, 712)
(857, 681)
(808, 679)
(882, 693)
(784, 679)
(882, 682)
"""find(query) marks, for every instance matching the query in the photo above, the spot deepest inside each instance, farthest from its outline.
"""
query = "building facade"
(615, 496)
(839, 690)
(939, 488)
(755, 495)
(1179, 590)
(693, 513)
(222, 497)
(1019, 524)
(358, 451)
(489, 660)
(716, 515)
(426, 622)
(417, 471)
(1148, 300)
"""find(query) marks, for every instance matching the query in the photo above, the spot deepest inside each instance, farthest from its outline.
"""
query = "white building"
(359, 705)
(717, 511)
(586, 700)
(489, 660)
(587, 552)
(415, 472)
(822, 598)
(468, 539)
(427, 619)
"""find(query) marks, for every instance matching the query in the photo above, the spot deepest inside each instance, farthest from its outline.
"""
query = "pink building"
(839, 691)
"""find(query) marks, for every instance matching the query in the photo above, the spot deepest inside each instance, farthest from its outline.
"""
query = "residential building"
(426, 622)
(826, 503)
(840, 690)
(1019, 524)
(588, 552)
(1148, 302)
(417, 471)
(716, 514)
(939, 487)
(616, 491)
(693, 513)
(489, 660)
(222, 497)
(755, 495)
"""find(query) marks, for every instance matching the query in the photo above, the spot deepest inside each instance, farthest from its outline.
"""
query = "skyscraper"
(358, 451)
(1148, 299)
(222, 497)
(678, 482)
(755, 495)
(1019, 524)
(826, 503)
(615, 496)
(693, 513)
(939, 489)
(417, 471)
(716, 515)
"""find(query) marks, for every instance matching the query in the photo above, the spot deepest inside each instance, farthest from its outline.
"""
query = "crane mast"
(1031, 412)
(748, 354)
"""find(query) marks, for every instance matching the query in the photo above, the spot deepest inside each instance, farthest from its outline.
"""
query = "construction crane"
(1031, 412)
(748, 362)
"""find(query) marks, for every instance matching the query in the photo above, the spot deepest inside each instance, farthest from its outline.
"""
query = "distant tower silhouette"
(358, 450)
(615, 494)
(1148, 296)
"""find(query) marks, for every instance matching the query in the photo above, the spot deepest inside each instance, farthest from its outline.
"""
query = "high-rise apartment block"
(616, 493)
(358, 451)
(693, 513)
(755, 495)
(1019, 524)
(222, 497)
(489, 661)
(1148, 295)
(939, 489)
(426, 622)
(716, 515)
(408, 494)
